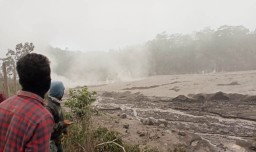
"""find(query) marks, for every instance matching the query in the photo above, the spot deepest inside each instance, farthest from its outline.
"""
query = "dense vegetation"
(229, 48)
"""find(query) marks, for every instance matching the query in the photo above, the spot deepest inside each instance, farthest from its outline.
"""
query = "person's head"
(34, 73)
(57, 89)
(2, 97)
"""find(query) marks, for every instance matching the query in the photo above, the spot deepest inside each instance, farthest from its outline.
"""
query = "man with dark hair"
(26, 125)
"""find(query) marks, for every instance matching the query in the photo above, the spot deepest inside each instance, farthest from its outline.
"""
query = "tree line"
(227, 48)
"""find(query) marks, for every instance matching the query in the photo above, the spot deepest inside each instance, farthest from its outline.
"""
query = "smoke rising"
(92, 68)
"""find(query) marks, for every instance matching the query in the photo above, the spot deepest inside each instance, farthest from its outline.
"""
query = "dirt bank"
(215, 112)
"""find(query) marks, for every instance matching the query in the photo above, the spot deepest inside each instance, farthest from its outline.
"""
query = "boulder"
(162, 126)
(182, 98)
(123, 115)
(126, 126)
(163, 121)
(152, 121)
(219, 96)
(181, 133)
(141, 133)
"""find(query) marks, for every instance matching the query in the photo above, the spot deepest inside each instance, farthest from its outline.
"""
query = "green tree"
(12, 56)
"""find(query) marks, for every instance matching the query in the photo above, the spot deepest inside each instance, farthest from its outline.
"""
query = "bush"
(79, 138)
(80, 102)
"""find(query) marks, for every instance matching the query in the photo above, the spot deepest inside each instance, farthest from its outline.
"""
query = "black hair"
(34, 73)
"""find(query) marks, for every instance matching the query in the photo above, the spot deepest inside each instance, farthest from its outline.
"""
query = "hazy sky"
(104, 24)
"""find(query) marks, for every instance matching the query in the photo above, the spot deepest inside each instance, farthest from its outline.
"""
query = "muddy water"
(242, 122)
(222, 133)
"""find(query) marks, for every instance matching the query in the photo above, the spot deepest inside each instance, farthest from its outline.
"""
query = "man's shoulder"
(52, 103)
(40, 113)
(30, 109)
(25, 110)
